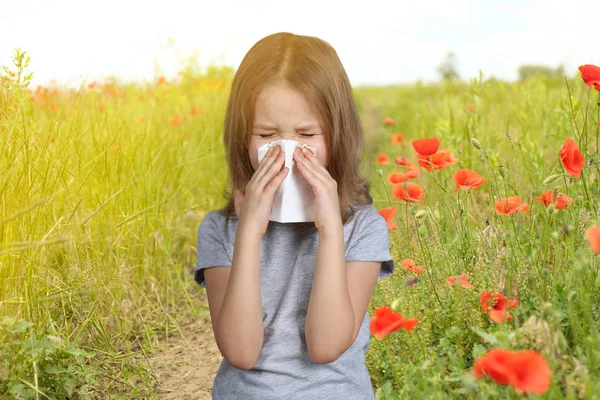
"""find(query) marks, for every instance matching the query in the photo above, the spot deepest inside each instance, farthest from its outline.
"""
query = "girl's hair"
(310, 66)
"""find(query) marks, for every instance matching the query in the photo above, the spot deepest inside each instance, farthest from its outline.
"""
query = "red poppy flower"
(470, 107)
(591, 75)
(388, 121)
(525, 370)
(439, 160)
(383, 159)
(497, 305)
(510, 205)
(397, 138)
(562, 201)
(388, 214)
(466, 179)
(410, 265)
(177, 120)
(413, 192)
(386, 321)
(461, 280)
(572, 160)
(412, 170)
(397, 177)
(593, 236)
(401, 160)
(426, 147)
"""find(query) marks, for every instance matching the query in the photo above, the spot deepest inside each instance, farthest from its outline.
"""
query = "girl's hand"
(327, 203)
(253, 206)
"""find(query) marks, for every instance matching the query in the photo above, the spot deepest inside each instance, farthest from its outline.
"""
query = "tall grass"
(103, 189)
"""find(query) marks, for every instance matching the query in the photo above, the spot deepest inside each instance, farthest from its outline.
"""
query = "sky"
(378, 42)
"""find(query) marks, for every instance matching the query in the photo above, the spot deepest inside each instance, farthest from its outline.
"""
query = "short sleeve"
(211, 250)
(370, 242)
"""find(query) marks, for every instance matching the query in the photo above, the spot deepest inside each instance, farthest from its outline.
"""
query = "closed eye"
(303, 134)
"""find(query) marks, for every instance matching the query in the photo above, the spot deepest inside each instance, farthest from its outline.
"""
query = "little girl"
(288, 301)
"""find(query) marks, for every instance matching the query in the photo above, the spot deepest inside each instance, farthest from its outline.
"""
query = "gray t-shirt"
(288, 254)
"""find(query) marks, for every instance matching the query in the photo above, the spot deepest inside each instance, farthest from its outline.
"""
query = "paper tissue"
(294, 200)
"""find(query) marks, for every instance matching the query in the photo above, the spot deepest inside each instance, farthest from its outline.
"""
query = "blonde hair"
(312, 67)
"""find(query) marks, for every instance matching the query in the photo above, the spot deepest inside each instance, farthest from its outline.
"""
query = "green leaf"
(487, 337)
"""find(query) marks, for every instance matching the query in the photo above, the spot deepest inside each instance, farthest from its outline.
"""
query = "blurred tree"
(529, 71)
(447, 68)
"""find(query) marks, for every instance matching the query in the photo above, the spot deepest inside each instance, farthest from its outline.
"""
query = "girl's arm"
(330, 315)
(239, 330)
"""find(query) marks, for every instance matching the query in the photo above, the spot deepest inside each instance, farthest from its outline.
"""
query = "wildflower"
(525, 370)
(388, 121)
(438, 160)
(461, 280)
(383, 159)
(466, 179)
(397, 177)
(572, 160)
(397, 138)
(401, 160)
(388, 213)
(413, 192)
(590, 75)
(593, 236)
(386, 321)
(561, 201)
(426, 147)
(497, 305)
(177, 120)
(510, 205)
(410, 265)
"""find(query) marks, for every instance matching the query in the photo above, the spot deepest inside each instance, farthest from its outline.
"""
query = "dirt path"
(186, 366)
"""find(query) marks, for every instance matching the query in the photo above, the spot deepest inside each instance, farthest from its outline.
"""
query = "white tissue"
(294, 200)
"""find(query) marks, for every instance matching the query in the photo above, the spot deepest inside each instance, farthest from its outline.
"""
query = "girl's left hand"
(327, 204)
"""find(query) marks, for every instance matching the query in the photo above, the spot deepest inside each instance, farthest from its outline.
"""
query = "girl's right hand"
(253, 206)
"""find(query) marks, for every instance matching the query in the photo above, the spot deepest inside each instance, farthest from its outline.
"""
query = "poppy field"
(490, 192)
(493, 212)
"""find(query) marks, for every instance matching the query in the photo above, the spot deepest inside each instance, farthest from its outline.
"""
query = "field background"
(103, 189)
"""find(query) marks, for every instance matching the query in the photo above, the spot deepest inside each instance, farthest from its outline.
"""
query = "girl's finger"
(272, 169)
(310, 168)
(276, 182)
(313, 161)
(265, 165)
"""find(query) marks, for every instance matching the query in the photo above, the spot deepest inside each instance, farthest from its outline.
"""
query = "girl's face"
(281, 113)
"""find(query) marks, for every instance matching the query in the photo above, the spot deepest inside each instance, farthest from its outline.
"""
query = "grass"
(103, 189)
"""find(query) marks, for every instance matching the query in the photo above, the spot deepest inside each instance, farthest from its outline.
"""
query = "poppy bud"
(405, 185)
(482, 157)
(476, 143)
(555, 235)
(395, 304)
(562, 343)
(420, 214)
(551, 209)
(551, 178)
(545, 271)
(555, 192)
(423, 230)
(379, 172)
(459, 152)
(547, 310)
(502, 171)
